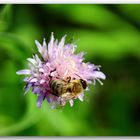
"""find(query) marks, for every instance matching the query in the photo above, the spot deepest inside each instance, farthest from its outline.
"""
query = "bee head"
(84, 83)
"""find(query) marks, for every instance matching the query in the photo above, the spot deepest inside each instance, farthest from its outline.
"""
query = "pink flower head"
(58, 62)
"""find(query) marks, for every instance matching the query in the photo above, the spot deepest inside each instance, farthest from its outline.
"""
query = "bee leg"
(68, 79)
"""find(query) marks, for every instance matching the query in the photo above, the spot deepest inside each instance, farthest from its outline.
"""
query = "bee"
(67, 89)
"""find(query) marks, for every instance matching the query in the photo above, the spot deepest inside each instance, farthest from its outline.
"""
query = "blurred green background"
(110, 34)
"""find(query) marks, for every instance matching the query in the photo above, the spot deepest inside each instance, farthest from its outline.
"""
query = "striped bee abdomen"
(58, 87)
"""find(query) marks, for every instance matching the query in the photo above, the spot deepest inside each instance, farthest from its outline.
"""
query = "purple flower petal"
(31, 60)
(27, 87)
(36, 90)
(23, 72)
(33, 80)
(38, 46)
(61, 43)
(40, 100)
(99, 74)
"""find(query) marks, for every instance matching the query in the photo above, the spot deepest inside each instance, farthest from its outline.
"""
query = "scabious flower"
(57, 61)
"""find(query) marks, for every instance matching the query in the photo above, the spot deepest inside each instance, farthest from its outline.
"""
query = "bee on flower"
(60, 76)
